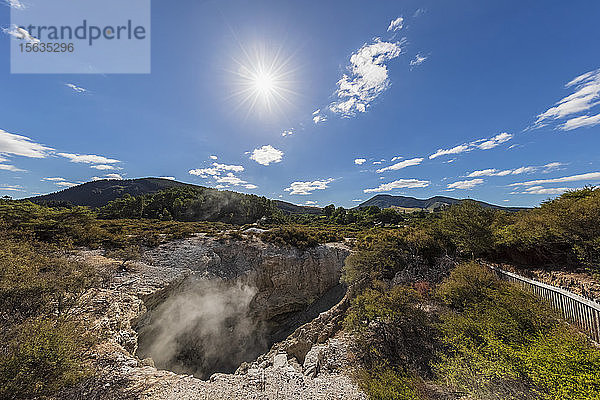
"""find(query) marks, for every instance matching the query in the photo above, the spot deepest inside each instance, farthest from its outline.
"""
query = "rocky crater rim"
(238, 299)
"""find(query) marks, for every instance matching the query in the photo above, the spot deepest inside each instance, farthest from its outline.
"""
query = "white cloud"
(517, 171)
(103, 167)
(108, 176)
(482, 144)
(586, 95)
(395, 24)
(418, 60)
(15, 4)
(357, 200)
(486, 144)
(469, 184)
(287, 132)
(114, 176)
(399, 184)
(171, 178)
(213, 157)
(76, 88)
(12, 168)
(397, 158)
(70, 184)
(88, 158)
(578, 122)
(402, 164)
(367, 77)
(305, 188)
(542, 190)
(360, 161)
(17, 145)
(552, 166)
(310, 203)
(454, 150)
(590, 176)
(266, 155)
(215, 170)
(12, 188)
(20, 33)
(231, 179)
(250, 186)
(54, 179)
(319, 118)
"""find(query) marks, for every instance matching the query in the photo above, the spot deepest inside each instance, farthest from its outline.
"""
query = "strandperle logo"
(87, 32)
(83, 36)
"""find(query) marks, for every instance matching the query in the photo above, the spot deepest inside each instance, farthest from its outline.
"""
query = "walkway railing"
(578, 310)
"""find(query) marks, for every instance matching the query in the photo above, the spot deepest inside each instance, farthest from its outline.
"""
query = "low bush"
(42, 357)
(301, 237)
(502, 342)
(381, 254)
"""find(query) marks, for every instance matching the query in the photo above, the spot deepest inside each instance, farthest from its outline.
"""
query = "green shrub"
(301, 237)
(41, 358)
(388, 384)
(502, 342)
(381, 254)
(390, 328)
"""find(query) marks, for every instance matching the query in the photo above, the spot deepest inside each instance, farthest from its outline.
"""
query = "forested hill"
(437, 202)
(99, 193)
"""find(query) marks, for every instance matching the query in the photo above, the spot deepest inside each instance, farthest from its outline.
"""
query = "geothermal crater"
(241, 298)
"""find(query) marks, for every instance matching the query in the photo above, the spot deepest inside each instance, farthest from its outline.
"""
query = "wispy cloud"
(319, 117)
(367, 77)
(516, 171)
(401, 165)
(76, 88)
(104, 167)
(542, 190)
(468, 184)
(396, 24)
(213, 157)
(306, 188)
(266, 155)
(418, 60)
(481, 144)
(215, 170)
(223, 175)
(12, 188)
(399, 184)
(287, 132)
(360, 161)
(579, 122)
(17, 145)
(586, 95)
(71, 184)
(108, 176)
(15, 4)
(20, 33)
(590, 176)
(88, 158)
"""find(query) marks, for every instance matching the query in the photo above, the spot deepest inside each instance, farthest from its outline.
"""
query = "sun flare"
(263, 80)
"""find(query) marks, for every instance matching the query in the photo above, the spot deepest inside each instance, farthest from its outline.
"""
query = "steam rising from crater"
(205, 328)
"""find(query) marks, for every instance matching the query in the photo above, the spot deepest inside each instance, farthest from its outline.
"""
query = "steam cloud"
(203, 329)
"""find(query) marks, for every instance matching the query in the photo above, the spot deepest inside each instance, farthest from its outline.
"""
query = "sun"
(263, 80)
(264, 84)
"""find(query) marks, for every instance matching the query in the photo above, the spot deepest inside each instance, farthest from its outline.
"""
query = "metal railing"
(582, 312)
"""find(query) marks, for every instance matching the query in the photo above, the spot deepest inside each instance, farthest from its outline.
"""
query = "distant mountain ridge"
(436, 202)
(99, 193)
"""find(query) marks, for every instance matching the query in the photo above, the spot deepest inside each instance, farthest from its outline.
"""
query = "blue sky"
(497, 101)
